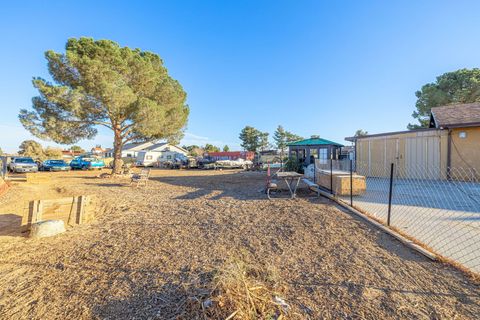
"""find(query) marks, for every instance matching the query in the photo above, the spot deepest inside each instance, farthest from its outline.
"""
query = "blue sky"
(315, 67)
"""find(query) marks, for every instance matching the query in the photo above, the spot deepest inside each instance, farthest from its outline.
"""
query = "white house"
(130, 150)
(160, 152)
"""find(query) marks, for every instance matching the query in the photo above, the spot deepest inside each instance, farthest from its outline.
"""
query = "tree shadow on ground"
(236, 185)
(11, 225)
(126, 184)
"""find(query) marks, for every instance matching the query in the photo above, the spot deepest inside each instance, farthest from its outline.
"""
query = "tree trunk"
(117, 152)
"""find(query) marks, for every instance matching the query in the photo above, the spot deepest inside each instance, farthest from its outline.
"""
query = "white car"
(22, 164)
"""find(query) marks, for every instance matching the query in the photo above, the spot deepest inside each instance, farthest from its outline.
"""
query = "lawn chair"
(141, 178)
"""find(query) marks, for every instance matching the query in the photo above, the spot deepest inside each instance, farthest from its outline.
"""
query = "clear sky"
(315, 67)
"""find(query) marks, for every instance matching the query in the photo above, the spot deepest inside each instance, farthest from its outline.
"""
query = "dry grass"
(244, 290)
(164, 252)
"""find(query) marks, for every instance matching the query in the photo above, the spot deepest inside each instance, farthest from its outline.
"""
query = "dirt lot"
(151, 253)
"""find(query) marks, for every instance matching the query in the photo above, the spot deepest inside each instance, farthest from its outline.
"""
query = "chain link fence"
(439, 207)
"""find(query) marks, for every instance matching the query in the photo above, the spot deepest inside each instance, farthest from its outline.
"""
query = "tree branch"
(101, 123)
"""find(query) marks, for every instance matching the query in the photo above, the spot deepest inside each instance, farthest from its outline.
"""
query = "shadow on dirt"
(236, 185)
(11, 225)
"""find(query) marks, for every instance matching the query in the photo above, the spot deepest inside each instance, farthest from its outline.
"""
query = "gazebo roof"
(313, 142)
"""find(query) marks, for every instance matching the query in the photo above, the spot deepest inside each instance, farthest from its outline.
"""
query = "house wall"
(465, 154)
(416, 154)
(129, 154)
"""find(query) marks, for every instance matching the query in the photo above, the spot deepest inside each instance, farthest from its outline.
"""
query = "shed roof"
(354, 138)
(313, 142)
(456, 115)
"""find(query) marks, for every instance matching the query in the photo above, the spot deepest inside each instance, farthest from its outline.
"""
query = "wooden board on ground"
(340, 182)
(72, 210)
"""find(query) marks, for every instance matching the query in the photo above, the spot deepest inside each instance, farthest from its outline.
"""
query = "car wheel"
(84, 167)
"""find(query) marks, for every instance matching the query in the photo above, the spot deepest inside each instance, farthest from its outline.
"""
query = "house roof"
(313, 142)
(155, 146)
(161, 146)
(136, 146)
(455, 115)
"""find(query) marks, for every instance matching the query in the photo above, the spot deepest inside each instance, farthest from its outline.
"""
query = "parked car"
(54, 165)
(22, 164)
(87, 163)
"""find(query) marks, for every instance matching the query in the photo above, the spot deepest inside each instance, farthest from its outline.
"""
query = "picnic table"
(292, 179)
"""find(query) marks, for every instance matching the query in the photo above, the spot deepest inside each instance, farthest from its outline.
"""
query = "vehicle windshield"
(24, 160)
(55, 161)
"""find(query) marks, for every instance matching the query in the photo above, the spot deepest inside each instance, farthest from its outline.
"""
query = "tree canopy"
(99, 83)
(194, 150)
(283, 137)
(31, 148)
(53, 153)
(253, 139)
(77, 149)
(211, 148)
(461, 86)
(360, 133)
(226, 148)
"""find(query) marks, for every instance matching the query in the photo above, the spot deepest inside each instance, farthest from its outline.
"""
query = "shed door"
(422, 158)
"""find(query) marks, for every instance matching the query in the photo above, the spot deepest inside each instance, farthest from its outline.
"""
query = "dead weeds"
(208, 245)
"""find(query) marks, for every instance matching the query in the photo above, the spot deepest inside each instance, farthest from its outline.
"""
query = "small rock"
(47, 228)
(207, 303)
(60, 266)
(281, 302)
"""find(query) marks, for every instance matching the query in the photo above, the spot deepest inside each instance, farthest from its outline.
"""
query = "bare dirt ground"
(151, 254)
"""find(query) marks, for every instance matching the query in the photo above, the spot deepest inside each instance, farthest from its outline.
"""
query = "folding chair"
(141, 178)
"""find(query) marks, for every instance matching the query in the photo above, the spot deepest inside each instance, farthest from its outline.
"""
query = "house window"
(129, 155)
(314, 153)
(462, 134)
(323, 155)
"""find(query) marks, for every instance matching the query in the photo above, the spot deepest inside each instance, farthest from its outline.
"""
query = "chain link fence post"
(351, 183)
(331, 175)
(390, 191)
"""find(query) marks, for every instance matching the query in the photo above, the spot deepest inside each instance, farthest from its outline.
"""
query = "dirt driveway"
(152, 251)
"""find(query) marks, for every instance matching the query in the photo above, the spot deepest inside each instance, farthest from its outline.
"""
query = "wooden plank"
(32, 209)
(60, 201)
(39, 213)
(72, 214)
(81, 210)
(72, 210)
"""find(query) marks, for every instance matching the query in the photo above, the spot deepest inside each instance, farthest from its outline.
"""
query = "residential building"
(449, 146)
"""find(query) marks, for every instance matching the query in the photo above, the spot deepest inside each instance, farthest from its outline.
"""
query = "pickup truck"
(22, 164)
(87, 163)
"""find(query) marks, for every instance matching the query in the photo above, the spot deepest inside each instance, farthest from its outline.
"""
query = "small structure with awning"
(314, 148)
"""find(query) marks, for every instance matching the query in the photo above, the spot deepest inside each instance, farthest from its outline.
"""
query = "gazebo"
(314, 148)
